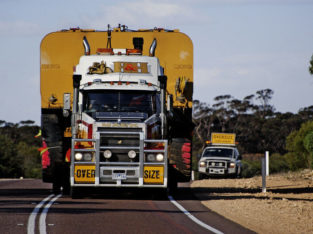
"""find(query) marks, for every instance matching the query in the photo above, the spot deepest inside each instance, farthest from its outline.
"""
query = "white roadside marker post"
(267, 162)
(263, 175)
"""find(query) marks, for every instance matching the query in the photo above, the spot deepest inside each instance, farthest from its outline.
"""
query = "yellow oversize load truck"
(116, 108)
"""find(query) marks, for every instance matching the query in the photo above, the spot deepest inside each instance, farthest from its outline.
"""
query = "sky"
(240, 46)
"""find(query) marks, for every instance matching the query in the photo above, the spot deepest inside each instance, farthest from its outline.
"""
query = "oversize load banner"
(223, 138)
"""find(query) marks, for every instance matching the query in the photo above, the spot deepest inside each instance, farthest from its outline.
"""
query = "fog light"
(132, 154)
(87, 157)
(107, 154)
(151, 157)
(78, 156)
(202, 164)
(159, 157)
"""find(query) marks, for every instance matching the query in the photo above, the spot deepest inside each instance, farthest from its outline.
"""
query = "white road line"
(42, 220)
(32, 217)
(193, 218)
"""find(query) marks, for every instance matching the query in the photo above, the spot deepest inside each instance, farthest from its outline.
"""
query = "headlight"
(202, 164)
(159, 157)
(132, 154)
(87, 156)
(232, 165)
(107, 154)
(78, 156)
(151, 157)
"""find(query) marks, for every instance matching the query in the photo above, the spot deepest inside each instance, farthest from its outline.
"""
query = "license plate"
(118, 176)
(84, 173)
(216, 171)
(153, 175)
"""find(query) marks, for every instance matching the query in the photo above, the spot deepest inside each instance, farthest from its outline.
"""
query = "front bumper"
(101, 173)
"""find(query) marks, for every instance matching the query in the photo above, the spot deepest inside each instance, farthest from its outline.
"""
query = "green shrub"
(278, 163)
(296, 161)
(251, 168)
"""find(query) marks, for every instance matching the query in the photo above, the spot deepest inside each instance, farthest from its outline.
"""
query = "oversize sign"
(153, 174)
(223, 138)
(84, 173)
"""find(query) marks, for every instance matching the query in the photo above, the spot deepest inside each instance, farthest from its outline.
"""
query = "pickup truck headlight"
(202, 164)
(232, 165)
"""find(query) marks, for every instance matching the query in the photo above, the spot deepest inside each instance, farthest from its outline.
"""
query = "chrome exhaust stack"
(86, 46)
(152, 48)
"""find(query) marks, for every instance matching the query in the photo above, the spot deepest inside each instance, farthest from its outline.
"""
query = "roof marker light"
(105, 51)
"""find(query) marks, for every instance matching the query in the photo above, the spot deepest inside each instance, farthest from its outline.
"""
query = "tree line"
(256, 123)
(19, 155)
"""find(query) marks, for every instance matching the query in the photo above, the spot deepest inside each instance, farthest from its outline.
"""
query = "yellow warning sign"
(153, 174)
(84, 173)
(223, 138)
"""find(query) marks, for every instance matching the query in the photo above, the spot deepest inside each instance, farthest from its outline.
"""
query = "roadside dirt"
(286, 207)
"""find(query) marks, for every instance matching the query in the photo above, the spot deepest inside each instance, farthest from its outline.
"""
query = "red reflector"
(133, 52)
(106, 51)
(119, 83)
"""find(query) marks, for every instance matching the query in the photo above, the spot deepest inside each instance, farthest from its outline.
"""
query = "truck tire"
(180, 158)
(76, 193)
(58, 172)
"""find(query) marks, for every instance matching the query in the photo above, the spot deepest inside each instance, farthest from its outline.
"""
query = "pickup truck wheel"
(239, 174)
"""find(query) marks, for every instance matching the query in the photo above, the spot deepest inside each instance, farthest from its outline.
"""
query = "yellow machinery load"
(61, 51)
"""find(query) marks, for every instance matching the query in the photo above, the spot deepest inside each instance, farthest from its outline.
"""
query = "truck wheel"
(56, 187)
(75, 193)
(180, 158)
(66, 189)
(239, 173)
(172, 182)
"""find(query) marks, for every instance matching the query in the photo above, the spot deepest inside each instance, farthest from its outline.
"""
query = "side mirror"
(66, 104)
(170, 103)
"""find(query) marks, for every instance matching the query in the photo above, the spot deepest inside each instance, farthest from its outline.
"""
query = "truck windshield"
(119, 101)
(218, 152)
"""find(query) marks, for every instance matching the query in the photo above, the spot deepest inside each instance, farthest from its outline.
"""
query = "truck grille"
(119, 141)
(217, 164)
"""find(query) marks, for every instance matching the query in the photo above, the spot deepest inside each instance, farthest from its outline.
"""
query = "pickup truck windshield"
(119, 101)
(218, 152)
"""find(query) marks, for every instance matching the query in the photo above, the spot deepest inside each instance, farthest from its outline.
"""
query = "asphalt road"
(116, 211)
